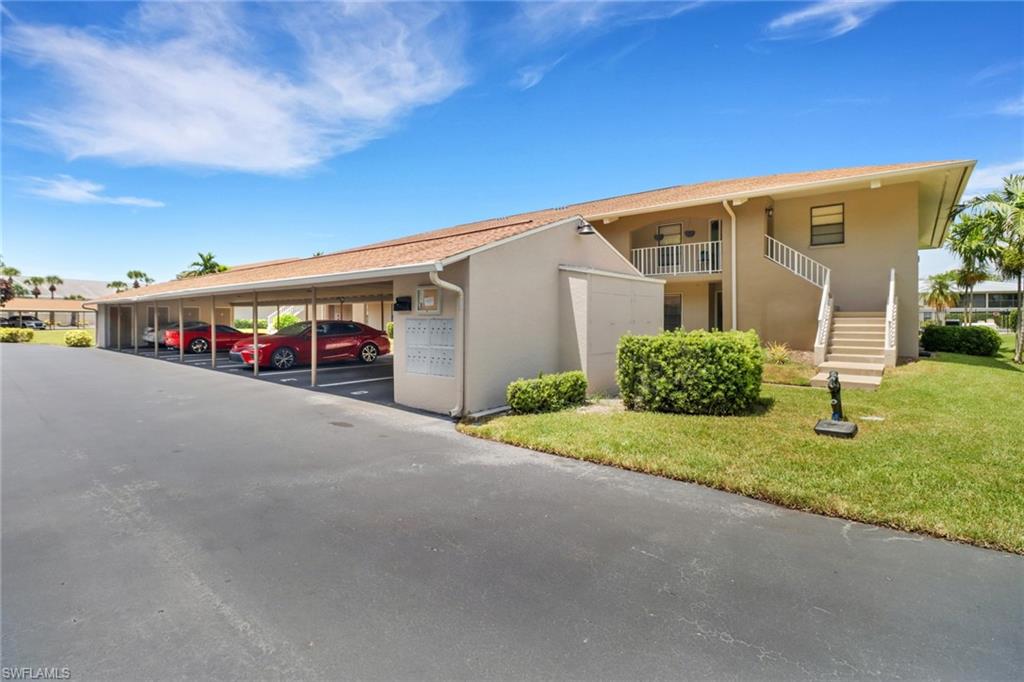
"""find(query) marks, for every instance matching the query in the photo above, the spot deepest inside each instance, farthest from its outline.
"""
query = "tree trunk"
(1018, 351)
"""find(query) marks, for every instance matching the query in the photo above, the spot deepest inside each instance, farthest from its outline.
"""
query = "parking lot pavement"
(352, 379)
(164, 522)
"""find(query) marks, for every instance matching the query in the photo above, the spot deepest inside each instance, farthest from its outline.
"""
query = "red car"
(198, 337)
(336, 341)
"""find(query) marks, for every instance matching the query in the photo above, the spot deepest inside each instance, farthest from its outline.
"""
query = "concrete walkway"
(163, 521)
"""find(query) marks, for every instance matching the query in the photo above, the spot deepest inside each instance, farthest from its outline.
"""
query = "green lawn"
(55, 337)
(947, 458)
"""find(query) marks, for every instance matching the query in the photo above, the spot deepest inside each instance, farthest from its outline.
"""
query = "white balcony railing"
(679, 259)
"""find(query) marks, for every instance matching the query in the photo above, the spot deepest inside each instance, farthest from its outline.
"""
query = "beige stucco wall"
(431, 393)
(516, 325)
(881, 234)
(634, 232)
(696, 302)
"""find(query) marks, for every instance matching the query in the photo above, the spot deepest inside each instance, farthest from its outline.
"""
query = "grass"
(54, 337)
(792, 373)
(947, 458)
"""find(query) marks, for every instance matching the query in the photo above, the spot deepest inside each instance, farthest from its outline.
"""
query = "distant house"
(57, 312)
(989, 301)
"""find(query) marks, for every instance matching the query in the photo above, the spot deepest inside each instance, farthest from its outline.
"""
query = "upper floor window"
(827, 225)
(669, 235)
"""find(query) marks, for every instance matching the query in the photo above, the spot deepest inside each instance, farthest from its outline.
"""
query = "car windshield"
(294, 329)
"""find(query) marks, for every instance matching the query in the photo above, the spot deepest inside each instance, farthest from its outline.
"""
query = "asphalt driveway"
(164, 522)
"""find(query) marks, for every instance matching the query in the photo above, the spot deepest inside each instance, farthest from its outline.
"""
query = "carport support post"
(181, 331)
(135, 327)
(120, 310)
(312, 345)
(213, 332)
(156, 330)
(255, 335)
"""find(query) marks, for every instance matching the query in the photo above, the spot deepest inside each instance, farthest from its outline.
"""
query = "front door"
(673, 311)
(718, 309)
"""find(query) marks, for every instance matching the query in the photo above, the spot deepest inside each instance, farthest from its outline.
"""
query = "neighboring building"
(989, 301)
(824, 261)
(58, 312)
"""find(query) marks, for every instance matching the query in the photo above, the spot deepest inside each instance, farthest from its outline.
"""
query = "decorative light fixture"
(585, 228)
(658, 237)
(770, 211)
(690, 233)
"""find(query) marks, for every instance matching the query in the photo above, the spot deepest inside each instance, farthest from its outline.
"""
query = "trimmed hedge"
(547, 393)
(389, 329)
(247, 324)
(15, 335)
(78, 339)
(698, 372)
(966, 340)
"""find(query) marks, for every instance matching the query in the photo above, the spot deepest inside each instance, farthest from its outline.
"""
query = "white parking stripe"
(357, 381)
(319, 369)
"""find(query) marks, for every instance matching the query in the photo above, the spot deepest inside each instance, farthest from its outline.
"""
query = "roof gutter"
(288, 282)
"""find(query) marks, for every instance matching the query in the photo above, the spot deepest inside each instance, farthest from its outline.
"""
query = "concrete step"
(856, 347)
(873, 369)
(851, 313)
(856, 357)
(843, 325)
(858, 333)
(859, 320)
(874, 344)
(851, 381)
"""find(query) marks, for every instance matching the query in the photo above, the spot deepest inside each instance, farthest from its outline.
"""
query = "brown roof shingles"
(447, 242)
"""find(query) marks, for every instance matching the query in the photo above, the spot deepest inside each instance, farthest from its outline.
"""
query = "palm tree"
(971, 240)
(35, 283)
(19, 290)
(8, 271)
(206, 265)
(137, 276)
(74, 297)
(940, 295)
(118, 286)
(1003, 211)
(54, 281)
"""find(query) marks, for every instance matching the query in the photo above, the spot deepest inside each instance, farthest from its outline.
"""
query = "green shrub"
(247, 324)
(1014, 316)
(776, 353)
(547, 393)
(966, 340)
(285, 320)
(9, 335)
(25, 335)
(389, 329)
(78, 339)
(698, 372)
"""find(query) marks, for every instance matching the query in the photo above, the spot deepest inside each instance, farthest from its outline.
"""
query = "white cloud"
(1012, 107)
(986, 179)
(254, 88)
(995, 71)
(824, 20)
(529, 76)
(72, 190)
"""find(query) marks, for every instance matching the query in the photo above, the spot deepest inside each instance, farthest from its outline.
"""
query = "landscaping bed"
(939, 449)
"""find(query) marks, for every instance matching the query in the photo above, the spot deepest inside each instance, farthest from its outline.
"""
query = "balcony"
(697, 258)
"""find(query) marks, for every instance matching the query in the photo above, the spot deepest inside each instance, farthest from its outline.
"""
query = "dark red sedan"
(336, 340)
(198, 337)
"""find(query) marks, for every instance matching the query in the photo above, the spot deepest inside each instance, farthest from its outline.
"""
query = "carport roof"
(427, 250)
(45, 305)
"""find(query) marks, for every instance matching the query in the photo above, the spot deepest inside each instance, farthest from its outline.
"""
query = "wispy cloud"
(254, 88)
(995, 71)
(985, 179)
(539, 25)
(824, 20)
(1011, 107)
(72, 190)
(529, 76)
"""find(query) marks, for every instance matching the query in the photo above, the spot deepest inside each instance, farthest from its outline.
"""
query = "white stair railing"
(891, 308)
(796, 262)
(825, 310)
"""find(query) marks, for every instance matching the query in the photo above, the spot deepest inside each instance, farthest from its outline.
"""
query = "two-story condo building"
(825, 261)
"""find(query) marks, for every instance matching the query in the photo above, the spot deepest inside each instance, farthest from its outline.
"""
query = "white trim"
(445, 262)
(740, 197)
(582, 269)
(306, 280)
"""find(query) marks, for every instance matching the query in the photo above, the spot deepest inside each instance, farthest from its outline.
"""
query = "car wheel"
(368, 353)
(199, 345)
(283, 358)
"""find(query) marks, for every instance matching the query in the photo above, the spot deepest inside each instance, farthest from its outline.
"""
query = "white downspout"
(460, 343)
(732, 269)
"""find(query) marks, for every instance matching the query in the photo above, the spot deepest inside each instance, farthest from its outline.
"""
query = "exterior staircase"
(856, 349)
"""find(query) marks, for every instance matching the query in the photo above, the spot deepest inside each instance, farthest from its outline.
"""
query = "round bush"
(547, 393)
(9, 335)
(699, 372)
(78, 339)
(966, 340)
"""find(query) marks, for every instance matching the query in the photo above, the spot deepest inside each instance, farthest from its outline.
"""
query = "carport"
(475, 307)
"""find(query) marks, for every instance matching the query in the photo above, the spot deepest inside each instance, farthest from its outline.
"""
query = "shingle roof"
(44, 305)
(445, 243)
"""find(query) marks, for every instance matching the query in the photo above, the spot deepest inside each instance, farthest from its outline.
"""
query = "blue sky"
(136, 135)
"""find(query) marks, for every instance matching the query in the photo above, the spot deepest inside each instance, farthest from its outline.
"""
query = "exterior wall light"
(585, 228)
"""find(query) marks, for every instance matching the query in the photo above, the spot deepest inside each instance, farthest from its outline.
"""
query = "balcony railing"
(697, 258)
